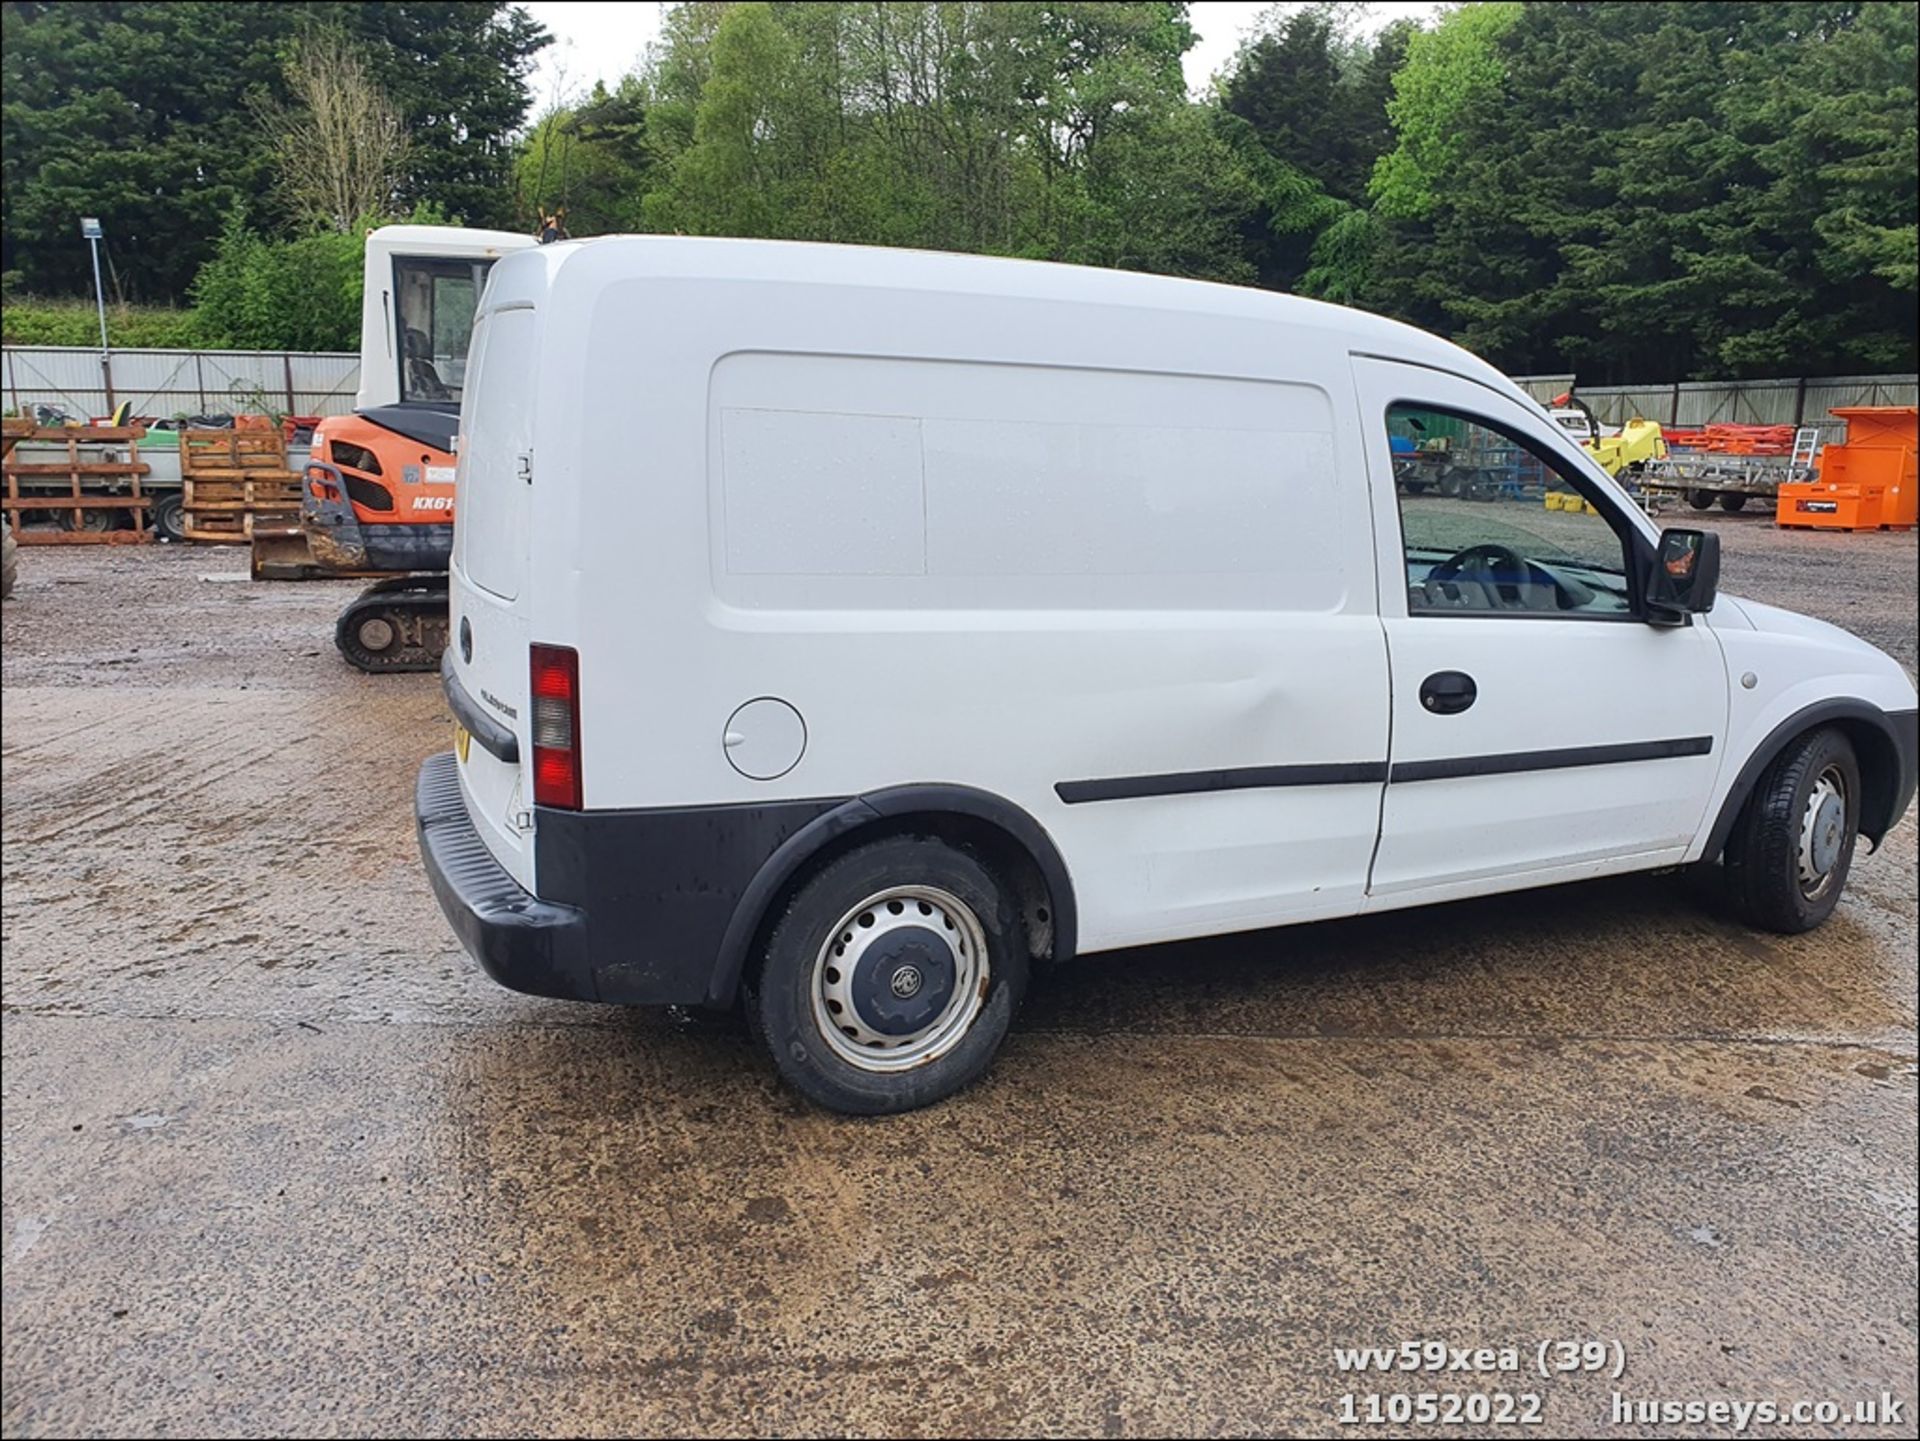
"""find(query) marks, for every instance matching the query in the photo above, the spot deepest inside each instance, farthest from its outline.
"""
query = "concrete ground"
(279, 1159)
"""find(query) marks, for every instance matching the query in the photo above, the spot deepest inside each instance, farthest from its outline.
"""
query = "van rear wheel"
(891, 978)
(1790, 851)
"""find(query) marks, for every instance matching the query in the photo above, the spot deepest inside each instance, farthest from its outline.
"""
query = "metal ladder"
(1806, 449)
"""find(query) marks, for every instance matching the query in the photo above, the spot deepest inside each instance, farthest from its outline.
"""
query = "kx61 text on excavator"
(378, 493)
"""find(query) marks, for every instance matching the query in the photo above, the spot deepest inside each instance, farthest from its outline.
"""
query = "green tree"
(1640, 190)
(734, 178)
(339, 150)
(143, 114)
(1450, 74)
(1305, 108)
(1017, 128)
(1163, 194)
(258, 293)
(1298, 86)
(133, 113)
(458, 71)
(1371, 78)
(590, 160)
(1658, 190)
(1834, 137)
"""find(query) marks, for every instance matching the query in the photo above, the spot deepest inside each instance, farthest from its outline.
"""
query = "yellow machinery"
(1638, 442)
(1628, 448)
(1625, 452)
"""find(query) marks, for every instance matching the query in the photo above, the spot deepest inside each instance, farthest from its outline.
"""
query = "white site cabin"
(857, 627)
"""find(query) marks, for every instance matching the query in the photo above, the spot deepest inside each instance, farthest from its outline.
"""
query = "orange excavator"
(378, 492)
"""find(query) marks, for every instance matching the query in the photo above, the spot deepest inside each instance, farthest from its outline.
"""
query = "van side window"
(1492, 527)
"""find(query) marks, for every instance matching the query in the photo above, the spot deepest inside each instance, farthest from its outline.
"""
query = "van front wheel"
(891, 978)
(1790, 851)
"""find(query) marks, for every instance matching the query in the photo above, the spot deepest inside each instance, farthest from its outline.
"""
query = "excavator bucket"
(283, 555)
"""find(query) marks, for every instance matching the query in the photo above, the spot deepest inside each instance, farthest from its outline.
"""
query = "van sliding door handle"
(1448, 692)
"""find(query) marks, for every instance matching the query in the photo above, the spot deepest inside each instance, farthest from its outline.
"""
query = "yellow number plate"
(461, 741)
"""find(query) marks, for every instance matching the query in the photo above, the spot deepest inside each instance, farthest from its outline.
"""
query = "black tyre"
(169, 517)
(891, 978)
(1792, 846)
(1700, 499)
(1732, 502)
(90, 520)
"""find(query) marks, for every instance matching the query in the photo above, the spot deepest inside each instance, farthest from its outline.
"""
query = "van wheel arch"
(1871, 732)
(1006, 839)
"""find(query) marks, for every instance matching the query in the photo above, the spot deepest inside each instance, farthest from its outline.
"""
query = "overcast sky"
(594, 40)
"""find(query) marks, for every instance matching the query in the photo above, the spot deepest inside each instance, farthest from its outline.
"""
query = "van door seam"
(1380, 820)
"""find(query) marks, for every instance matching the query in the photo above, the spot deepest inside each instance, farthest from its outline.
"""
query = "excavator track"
(396, 625)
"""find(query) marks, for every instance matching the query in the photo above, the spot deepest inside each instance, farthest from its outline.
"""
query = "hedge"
(77, 322)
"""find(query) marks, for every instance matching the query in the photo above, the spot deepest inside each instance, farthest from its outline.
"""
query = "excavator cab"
(378, 492)
(435, 297)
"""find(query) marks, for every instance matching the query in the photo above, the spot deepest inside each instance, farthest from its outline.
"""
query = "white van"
(851, 631)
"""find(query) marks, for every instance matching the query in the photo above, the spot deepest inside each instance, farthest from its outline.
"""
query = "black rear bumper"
(635, 904)
(523, 942)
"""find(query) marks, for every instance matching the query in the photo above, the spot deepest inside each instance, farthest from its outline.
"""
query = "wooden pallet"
(78, 474)
(239, 527)
(265, 495)
(237, 481)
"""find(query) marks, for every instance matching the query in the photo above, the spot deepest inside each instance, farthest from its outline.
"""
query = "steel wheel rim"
(1823, 833)
(376, 633)
(864, 998)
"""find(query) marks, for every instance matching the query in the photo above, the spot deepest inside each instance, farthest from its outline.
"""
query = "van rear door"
(490, 629)
(490, 533)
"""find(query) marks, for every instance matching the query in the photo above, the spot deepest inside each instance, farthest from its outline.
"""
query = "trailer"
(41, 471)
(1728, 478)
(1483, 470)
(75, 484)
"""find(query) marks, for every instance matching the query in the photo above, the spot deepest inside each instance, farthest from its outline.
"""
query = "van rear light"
(556, 726)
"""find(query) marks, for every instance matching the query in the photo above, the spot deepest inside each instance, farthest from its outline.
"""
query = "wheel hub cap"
(900, 980)
(903, 980)
(1826, 834)
(1823, 832)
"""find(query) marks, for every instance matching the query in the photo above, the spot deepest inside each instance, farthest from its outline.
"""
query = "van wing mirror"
(1686, 576)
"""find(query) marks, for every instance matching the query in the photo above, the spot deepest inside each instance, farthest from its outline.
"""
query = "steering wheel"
(1484, 565)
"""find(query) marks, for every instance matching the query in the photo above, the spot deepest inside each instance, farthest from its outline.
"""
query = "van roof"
(868, 267)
